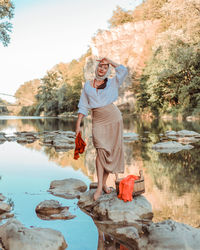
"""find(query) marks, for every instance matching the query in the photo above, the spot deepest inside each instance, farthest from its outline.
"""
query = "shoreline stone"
(14, 236)
(68, 188)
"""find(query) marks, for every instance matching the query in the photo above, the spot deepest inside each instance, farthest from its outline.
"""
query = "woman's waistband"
(106, 114)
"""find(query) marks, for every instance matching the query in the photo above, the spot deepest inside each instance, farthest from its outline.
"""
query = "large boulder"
(68, 188)
(111, 210)
(170, 235)
(130, 223)
(14, 236)
(53, 210)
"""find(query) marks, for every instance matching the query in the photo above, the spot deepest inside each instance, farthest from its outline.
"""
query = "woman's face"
(102, 69)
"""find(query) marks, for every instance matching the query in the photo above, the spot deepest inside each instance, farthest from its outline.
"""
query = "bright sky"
(47, 32)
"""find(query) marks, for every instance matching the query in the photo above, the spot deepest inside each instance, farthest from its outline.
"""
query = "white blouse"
(91, 98)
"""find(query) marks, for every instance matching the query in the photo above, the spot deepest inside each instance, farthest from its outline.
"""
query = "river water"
(172, 180)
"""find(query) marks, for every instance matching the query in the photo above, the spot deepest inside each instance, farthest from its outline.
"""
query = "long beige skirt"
(107, 133)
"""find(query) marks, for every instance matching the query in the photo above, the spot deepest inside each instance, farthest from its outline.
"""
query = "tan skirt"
(107, 133)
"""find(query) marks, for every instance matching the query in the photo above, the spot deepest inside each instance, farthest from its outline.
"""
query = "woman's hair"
(97, 77)
(103, 85)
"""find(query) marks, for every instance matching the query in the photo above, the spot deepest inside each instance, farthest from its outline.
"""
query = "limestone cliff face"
(129, 44)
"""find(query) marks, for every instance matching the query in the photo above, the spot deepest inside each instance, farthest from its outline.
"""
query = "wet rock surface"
(53, 210)
(68, 188)
(14, 236)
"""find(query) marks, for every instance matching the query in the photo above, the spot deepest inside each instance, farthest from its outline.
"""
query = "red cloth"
(123, 247)
(79, 146)
(126, 188)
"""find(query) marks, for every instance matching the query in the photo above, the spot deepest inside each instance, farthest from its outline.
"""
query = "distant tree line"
(59, 90)
(3, 108)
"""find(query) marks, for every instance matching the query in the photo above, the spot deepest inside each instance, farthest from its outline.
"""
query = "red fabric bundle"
(126, 188)
(79, 146)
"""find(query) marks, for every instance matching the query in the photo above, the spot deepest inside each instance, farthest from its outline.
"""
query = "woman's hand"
(108, 61)
(78, 129)
(78, 123)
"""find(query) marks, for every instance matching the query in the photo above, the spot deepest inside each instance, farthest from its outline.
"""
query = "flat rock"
(183, 133)
(14, 236)
(128, 137)
(68, 188)
(53, 210)
(109, 209)
(170, 147)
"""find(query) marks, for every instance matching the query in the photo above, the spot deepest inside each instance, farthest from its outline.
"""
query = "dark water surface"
(172, 180)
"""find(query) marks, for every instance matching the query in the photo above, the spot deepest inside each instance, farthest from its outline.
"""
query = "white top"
(91, 98)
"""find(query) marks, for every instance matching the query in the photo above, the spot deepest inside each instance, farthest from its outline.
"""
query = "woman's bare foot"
(106, 189)
(97, 194)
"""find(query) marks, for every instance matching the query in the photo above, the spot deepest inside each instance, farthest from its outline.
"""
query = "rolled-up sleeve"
(83, 105)
(121, 73)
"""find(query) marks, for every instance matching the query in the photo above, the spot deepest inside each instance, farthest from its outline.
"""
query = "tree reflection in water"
(172, 180)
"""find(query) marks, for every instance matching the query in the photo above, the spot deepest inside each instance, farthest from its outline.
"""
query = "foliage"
(170, 81)
(120, 16)
(59, 90)
(148, 10)
(6, 12)
(3, 108)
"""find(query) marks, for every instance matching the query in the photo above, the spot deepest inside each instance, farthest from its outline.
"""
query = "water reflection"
(172, 181)
(106, 242)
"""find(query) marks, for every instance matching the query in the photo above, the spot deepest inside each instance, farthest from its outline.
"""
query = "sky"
(47, 32)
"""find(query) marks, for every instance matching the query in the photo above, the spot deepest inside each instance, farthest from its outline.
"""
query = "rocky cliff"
(129, 44)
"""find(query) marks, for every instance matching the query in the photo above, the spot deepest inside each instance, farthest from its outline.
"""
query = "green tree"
(6, 13)
(47, 94)
(170, 82)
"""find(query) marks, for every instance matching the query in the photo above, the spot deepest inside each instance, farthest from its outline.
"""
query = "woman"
(107, 125)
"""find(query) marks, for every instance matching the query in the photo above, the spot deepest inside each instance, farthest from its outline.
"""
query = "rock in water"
(68, 188)
(53, 210)
(14, 236)
(170, 147)
(109, 209)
